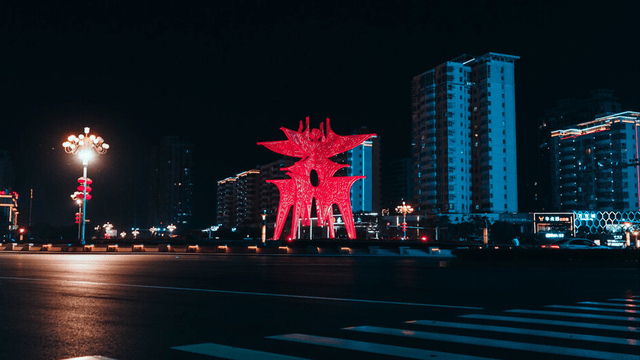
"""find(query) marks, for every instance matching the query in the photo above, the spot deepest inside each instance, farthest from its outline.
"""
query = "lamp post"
(264, 226)
(107, 228)
(76, 197)
(171, 228)
(404, 209)
(82, 145)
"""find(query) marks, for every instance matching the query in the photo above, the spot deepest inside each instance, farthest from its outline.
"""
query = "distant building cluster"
(463, 153)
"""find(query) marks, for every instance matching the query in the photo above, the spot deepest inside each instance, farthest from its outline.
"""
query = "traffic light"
(404, 226)
(78, 217)
(84, 184)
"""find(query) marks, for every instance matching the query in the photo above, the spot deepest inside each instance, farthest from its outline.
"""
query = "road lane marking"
(232, 353)
(553, 322)
(306, 297)
(504, 344)
(524, 331)
(609, 304)
(569, 307)
(381, 349)
(579, 315)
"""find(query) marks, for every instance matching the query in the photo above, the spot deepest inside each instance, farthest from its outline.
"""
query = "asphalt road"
(164, 306)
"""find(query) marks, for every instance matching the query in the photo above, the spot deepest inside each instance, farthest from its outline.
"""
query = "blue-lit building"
(364, 160)
(464, 136)
(595, 164)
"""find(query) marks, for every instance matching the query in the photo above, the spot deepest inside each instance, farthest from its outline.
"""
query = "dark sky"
(229, 75)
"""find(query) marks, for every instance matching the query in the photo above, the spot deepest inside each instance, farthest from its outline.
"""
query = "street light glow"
(404, 209)
(85, 156)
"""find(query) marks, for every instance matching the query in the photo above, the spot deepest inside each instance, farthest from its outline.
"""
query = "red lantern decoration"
(84, 188)
(81, 196)
(82, 181)
(81, 188)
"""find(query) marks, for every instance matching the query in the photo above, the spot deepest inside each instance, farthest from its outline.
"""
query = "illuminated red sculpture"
(312, 177)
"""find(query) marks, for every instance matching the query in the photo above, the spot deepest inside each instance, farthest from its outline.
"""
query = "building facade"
(247, 202)
(364, 160)
(565, 114)
(463, 136)
(226, 203)
(171, 198)
(239, 201)
(595, 164)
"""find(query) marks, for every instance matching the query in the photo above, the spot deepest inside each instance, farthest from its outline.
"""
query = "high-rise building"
(364, 160)
(247, 192)
(226, 203)
(566, 114)
(171, 198)
(595, 164)
(239, 200)
(463, 136)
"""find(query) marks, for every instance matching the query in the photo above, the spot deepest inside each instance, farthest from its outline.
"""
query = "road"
(207, 306)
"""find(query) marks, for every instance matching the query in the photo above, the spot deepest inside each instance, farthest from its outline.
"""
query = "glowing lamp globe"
(85, 156)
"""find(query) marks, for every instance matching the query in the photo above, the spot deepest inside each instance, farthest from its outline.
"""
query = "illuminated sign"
(586, 216)
(553, 225)
(564, 218)
(554, 236)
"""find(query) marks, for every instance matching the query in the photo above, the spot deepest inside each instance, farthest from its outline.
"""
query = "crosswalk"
(599, 329)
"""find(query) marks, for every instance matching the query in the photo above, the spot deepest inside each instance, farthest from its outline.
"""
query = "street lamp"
(171, 228)
(76, 197)
(404, 209)
(264, 226)
(107, 228)
(83, 145)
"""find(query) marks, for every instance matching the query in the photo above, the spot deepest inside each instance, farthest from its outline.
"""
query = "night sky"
(226, 76)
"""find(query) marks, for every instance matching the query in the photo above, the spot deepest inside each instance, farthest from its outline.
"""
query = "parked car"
(574, 243)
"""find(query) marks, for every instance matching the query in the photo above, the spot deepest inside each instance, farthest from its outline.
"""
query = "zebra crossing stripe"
(552, 322)
(627, 311)
(608, 304)
(94, 357)
(523, 331)
(578, 315)
(380, 349)
(626, 300)
(504, 344)
(232, 353)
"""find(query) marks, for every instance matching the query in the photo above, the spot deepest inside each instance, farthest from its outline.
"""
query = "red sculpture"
(314, 147)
